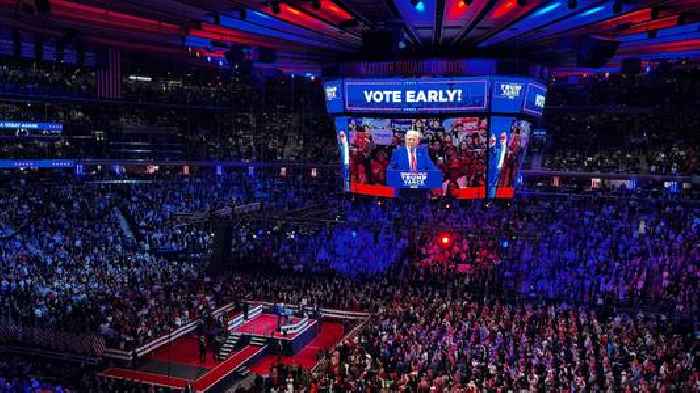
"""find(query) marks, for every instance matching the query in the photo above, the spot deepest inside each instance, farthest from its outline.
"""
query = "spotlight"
(444, 240)
(572, 4)
(617, 6)
(275, 5)
(419, 5)
(461, 4)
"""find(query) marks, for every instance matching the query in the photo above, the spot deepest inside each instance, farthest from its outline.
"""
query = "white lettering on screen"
(539, 101)
(412, 96)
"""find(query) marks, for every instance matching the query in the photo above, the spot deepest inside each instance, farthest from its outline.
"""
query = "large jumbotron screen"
(463, 138)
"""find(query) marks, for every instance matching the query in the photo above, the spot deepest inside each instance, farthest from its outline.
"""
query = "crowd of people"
(629, 142)
(438, 339)
(624, 123)
(71, 266)
(569, 293)
(55, 80)
(608, 123)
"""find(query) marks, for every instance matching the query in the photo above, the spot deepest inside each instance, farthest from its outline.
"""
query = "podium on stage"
(414, 179)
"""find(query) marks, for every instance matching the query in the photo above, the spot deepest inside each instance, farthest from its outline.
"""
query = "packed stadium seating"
(549, 291)
(621, 123)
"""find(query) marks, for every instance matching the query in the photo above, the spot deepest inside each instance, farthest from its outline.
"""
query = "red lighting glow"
(221, 33)
(104, 17)
(444, 240)
(461, 4)
(657, 24)
(503, 9)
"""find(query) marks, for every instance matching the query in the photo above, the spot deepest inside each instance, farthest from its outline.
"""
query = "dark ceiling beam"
(305, 11)
(586, 25)
(410, 31)
(507, 26)
(472, 23)
(255, 5)
(437, 26)
(344, 4)
(344, 42)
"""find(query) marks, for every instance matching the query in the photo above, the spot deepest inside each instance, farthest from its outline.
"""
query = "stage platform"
(330, 334)
(264, 329)
(180, 371)
(259, 344)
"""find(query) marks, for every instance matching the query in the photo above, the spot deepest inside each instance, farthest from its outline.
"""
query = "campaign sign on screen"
(332, 92)
(507, 95)
(417, 179)
(398, 95)
(19, 163)
(535, 97)
(31, 125)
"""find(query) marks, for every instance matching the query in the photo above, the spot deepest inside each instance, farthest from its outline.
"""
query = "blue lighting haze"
(420, 6)
(547, 9)
(593, 10)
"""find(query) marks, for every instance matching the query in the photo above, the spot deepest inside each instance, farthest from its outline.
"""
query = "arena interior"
(361, 196)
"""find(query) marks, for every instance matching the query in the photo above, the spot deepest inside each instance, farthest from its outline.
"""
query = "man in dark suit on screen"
(412, 157)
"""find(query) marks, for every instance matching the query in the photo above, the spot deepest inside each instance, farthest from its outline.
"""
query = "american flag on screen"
(109, 75)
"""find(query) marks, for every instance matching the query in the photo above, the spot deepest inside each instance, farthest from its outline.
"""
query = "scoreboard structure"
(473, 132)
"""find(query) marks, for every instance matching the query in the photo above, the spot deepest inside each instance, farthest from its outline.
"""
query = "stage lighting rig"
(275, 5)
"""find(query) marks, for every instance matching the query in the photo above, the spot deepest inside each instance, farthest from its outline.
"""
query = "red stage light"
(444, 240)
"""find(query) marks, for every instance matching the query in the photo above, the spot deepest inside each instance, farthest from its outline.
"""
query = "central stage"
(264, 329)
(261, 340)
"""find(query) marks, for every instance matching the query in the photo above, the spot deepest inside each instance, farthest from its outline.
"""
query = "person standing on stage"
(202, 348)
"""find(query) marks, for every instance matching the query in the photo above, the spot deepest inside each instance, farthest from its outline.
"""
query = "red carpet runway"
(329, 335)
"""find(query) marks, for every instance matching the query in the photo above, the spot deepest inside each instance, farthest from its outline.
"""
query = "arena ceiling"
(307, 34)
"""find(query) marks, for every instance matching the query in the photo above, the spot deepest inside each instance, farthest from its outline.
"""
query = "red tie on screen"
(413, 160)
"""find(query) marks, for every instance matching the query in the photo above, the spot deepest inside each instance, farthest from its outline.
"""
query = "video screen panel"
(333, 93)
(507, 95)
(507, 147)
(416, 95)
(535, 98)
(447, 156)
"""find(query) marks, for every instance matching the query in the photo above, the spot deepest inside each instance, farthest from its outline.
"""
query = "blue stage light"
(547, 9)
(593, 10)
(420, 6)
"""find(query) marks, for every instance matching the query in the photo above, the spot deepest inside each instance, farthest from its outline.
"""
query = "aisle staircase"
(232, 340)
(257, 340)
(643, 164)
(124, 224)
